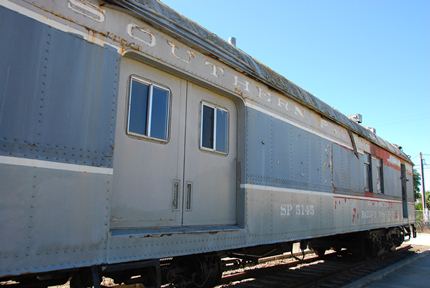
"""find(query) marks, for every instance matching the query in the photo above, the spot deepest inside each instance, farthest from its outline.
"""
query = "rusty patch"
(384, 155)
(238, 91)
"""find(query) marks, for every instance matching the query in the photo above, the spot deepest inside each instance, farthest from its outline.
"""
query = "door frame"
(197, 97)
(240, 139)
(404, 191)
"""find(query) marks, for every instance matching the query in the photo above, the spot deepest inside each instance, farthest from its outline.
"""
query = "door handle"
(175, 198)
(189, 191)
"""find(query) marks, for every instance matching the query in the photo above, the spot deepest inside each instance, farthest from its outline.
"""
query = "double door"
(175, 152)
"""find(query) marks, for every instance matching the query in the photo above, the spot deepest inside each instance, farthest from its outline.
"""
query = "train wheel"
(80, 281)
(337, 248)
(195, 271)
(85, 278)
(320, 251)
(318, 247)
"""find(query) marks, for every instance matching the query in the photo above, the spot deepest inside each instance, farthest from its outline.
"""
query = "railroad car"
(135, 142)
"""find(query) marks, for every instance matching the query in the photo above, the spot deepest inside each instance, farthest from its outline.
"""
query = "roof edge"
(161, 16)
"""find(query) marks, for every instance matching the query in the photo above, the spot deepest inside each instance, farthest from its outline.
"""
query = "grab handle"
(175, 198)
(189, 191)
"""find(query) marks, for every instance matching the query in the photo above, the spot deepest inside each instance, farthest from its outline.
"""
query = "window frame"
(215, 107)
(368, 170)
(380, 171)
(151, 84)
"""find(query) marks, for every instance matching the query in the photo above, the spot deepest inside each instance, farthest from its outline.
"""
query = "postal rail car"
(131, 136)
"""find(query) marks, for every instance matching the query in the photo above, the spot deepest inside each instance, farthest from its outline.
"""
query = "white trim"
(215, 126)
(54, 165)
(289, 121)
(214, 132)
(299, 191)
(169, 95)
(280, 189)
(130, 92)
(45, 20)
(151, 86)
(149, 111)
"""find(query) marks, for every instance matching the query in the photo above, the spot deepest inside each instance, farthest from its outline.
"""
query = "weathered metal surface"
(128, 34)
(279, 154)
(345, 164)
(58, 94)
(165, 18)
(292, 170)
(57, 111)
(51, 219)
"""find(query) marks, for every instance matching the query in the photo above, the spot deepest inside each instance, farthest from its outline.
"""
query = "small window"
(214, 128)
(379, 176)
(148, 110)
(367, 173)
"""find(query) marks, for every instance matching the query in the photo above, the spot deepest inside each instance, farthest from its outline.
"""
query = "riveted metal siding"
(258, 151)
(282, 155)
(57, 94)
(392, 182)
(347, 170)
(51, 219)
(57, 103)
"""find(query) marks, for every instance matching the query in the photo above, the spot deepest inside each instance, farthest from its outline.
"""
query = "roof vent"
(371, 129)
(398, 146)
(232, 41)
(357, 118)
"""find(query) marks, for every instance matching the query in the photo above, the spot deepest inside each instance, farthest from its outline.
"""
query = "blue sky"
(368, 57)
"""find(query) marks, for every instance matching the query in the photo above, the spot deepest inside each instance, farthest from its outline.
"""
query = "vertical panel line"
(185, 149)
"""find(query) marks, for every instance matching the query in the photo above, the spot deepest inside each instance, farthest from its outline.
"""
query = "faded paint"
(272, 212)
(389, 159)
(182, 28)
(245, 88)
(88, 9)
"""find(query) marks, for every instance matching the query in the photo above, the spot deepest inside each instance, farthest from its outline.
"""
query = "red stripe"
(373, 199)
(384, 155)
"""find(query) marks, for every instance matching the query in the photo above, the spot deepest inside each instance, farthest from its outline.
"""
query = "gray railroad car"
(131, 136)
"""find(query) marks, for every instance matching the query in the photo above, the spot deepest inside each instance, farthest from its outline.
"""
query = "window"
(148, 110)
(214, 128)
(379, 176)
(368, 173)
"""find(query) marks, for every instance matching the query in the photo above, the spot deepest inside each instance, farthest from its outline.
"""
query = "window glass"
(208, 127)
(221, 130)
(148, 110)
(214, 129)
(138, 108)
(159, 113)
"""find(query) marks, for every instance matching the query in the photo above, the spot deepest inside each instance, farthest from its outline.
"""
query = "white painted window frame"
(379, 174)
(149, 110)
(368, 173)
(216, 108)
